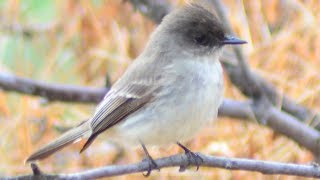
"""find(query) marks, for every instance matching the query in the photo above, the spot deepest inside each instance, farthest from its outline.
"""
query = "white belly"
(181, 113)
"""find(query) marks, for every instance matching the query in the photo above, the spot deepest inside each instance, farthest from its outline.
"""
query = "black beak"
(233, 40)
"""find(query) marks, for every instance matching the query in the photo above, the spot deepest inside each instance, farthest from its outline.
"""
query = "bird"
(169, 93)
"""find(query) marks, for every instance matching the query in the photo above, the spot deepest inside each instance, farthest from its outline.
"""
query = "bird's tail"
(65, 139)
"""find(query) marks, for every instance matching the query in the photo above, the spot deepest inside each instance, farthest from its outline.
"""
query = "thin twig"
(265, 167)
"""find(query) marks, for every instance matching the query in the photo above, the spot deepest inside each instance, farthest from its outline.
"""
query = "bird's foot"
(152, 164)
(192, 157)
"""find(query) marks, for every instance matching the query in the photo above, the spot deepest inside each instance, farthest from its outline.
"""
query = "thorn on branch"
(35, 169)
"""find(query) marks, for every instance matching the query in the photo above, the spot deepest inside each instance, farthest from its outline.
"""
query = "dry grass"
(99, 37)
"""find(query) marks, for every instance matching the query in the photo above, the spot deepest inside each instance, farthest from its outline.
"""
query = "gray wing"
(118, 104)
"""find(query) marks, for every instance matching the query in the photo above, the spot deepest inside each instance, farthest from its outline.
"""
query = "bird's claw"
(151, 163)
(192, 157)
(151, 166)
(195, 157)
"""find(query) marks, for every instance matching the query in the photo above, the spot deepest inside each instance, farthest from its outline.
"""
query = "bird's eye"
(202, 40)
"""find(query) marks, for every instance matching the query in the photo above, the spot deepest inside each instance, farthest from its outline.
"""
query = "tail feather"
(67, 138)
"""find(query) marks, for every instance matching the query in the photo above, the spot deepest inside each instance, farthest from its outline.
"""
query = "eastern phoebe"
(169, 93)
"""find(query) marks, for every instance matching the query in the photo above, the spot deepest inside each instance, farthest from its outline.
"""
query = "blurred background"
(82, 42)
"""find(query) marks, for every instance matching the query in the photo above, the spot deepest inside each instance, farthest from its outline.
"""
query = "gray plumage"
(168, 93)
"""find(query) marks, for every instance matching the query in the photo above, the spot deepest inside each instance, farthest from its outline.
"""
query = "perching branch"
(265, 167)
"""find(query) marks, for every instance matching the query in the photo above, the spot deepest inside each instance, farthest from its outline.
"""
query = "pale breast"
(203, 99)
(182, 109)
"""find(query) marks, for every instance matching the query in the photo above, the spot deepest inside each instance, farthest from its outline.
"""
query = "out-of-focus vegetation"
(79, 42)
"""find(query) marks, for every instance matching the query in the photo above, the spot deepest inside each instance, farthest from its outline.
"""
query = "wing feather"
(118, 104)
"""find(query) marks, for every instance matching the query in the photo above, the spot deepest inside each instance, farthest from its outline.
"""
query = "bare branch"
(52, 92)
(300, 112)
(236, 109)
(279, 121)
(265, 167)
